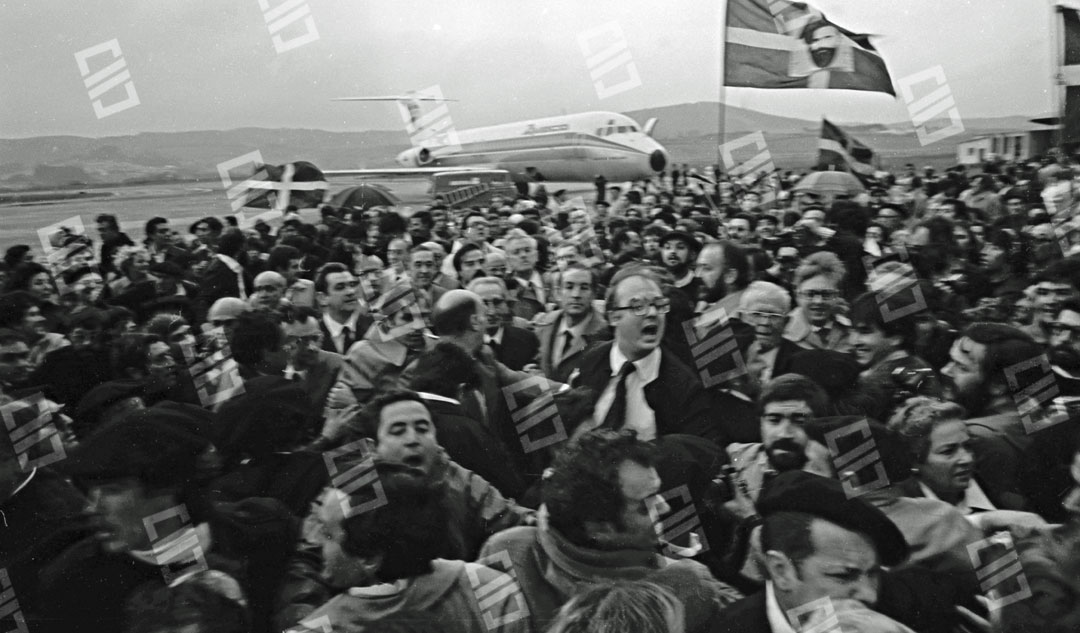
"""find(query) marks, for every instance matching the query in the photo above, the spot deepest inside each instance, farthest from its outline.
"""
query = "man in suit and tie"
(765, 307)
(532, 292)
(514, 347)
(343, 320)
(641, 385)
(225, 276)
(317, 370)
(423, 265)
(565, 334)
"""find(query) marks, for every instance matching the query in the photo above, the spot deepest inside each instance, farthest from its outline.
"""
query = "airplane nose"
(658, 160)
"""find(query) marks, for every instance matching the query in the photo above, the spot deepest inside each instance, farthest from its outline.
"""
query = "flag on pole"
(783, 44)
(1069, 77)
(837, 150)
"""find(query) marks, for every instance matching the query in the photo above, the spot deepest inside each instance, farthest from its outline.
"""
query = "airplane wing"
(404, 171)
(393, 98)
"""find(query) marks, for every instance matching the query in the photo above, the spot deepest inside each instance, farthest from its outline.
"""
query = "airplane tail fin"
(650, 125)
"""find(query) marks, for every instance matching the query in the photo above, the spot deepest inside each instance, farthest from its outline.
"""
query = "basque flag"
(782, 44)
(840, 152)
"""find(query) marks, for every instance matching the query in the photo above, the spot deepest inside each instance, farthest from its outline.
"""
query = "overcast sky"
(211, 64)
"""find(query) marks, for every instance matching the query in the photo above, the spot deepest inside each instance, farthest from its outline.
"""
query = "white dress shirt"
(337, 333)
(778, 622)
(639, 415)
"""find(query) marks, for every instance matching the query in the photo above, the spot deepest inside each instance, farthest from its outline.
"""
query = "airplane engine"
(416, 157)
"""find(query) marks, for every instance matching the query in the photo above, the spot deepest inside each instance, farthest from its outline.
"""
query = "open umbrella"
(831, 183)
(364, 196)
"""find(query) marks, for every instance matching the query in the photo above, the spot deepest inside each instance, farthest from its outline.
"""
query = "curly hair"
(916, 419)
(821, 263)
(583, 486)
(125, 254)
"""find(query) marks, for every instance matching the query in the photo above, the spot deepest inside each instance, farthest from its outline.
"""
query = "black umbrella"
(364, 196)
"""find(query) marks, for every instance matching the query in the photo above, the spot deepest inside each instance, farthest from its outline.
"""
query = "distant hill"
(688, 130)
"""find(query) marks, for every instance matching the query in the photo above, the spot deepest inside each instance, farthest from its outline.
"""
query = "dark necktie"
(346, 339)
(616, 415)
(568, 342)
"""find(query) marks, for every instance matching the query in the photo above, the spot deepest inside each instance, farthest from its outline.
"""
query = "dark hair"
(408, 529)
(751, 220)
(109, 220)
(788, 532)
(621, 238)
(442, 369)
(870, 308)
(256, 333)
(211, 223)
(280, 256)
(1006, 347)
(425, 218)
(370, 417)
(231, 243)
(736, 259)
(14, 255)
(325, 271)
(392, 224)
(13, 308)
(795, 387)
(152, 225)
(130, 351)
(298, 314)
(23, 274)
(584, 485)
(465, 249)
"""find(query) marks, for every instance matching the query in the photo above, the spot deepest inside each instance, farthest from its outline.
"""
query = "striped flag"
(1070, 69)
(782, 44)
(840, 152)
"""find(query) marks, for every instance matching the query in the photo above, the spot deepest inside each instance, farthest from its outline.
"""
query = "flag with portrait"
(782, 44)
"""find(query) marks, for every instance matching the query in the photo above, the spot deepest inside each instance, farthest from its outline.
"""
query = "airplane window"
(623, 128)
(634, 128)
(599, 131)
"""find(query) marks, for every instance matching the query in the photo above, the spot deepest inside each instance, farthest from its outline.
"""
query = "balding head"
(458, 313)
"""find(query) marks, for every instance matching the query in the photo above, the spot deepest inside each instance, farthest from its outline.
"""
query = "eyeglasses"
(496, 302)
(269, 288)
(819, 294)
(640, 307)
(474, 225)
(758, 317)
(310, 341)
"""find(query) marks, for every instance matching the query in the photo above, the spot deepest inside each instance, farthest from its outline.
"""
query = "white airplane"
(568, 148)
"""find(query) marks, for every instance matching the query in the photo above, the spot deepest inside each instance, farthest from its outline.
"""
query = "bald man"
(269, 291)
(459, 317)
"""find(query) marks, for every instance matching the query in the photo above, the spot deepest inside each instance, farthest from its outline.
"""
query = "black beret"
(167, 269)
(156, 446)
(891, 448)
(100, 398)
(690, 240)
(822, 497)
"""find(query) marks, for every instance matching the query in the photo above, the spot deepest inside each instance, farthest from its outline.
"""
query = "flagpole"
(722, 94)
(1057, 59)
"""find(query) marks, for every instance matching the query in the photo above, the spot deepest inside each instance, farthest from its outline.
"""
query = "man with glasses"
(765, 307)
(643, 386)
(514, 347)
(819, 321)
(475, 230)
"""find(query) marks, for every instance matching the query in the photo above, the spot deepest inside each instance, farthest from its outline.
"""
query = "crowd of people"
(694, 403)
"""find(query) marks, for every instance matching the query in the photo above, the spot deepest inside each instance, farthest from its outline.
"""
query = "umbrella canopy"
(831, 183)
(364, 196)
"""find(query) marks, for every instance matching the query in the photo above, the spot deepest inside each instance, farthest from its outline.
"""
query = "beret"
(100, 398)
(822, 497)
(690, 240)
(157, 446)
